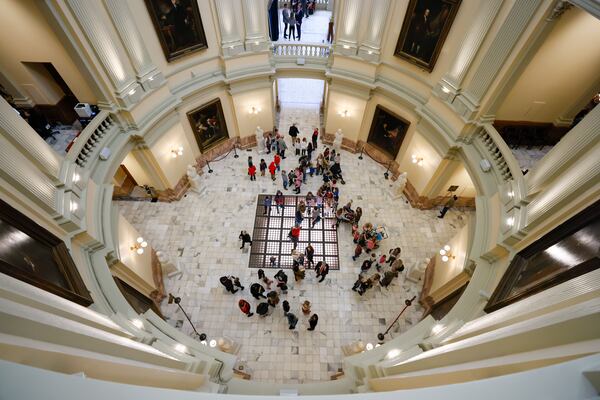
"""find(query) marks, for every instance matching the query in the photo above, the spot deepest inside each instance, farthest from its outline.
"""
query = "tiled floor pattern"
(200, 233)
(270, 236)
(292, 91)
(62, 136)
(314, 28)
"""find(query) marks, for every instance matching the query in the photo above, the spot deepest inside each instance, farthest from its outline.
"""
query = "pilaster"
(229, 26)
(442, 174)
(256, 25)
(105, 44)
(346, 42)
(146, 72)
(370, 47)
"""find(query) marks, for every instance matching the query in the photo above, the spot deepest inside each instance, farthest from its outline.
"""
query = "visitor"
(225, 281)
(252, 172)
(306, 307)
(309, 251)
(284, 179)
(297, 183)
(267, 203)
(315, 137)
(277, 160)
(279, 201)
(285, 16)
(267, 140)
(380, 262)
(303, 146)
(357, 252)
(398, 265)
(312, 322)
(282, 279)
(317, 214)
(330, 30)
(358, 282)
(299, 16)
(393, 254)
(272, 298)
(448, 206)
(322, 271)
(250, 161)
(299, 271)
(245, 238)
(286, 307)
(262, 309)
(257, 290)
(245, 307)
(272, 169)
(388, 277)
(293, 132)
(263, 167)
(319, 164)
(299, 217)
(292, 24)
(282, 147)
(309, 150)
(236, 282)
(297, 144)
(367, 264)
(294, 235)
(292, 320)
(263, 277)
(272, 261)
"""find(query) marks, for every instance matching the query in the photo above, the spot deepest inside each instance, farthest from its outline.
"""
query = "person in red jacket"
(245, 307)
(277, 161)
(252, 172)
(272, 168)
(295, 235)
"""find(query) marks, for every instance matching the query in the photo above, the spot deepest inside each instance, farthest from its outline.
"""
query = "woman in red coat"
(272, 169)
(245, 307)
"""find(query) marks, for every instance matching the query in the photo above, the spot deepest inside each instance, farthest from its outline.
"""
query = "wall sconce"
(140, 245)
(254, 110)
(445, 89)
(76, 177)
(178, 152)
(446, 254)
(510, 221)
(417, 160)
(180, 348)
(74, 206)
(212, 343)
(344, 113)
(369, 346)
(511, 194)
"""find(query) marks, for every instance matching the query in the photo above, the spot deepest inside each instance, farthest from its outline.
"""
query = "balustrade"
(498, 152)
(313, 51)
(91, 138)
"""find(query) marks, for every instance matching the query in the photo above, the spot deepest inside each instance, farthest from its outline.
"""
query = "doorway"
(300, 102)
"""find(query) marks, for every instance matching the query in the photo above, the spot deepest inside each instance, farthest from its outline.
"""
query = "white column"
(105, 43)
(452, 80)
(18, 132)
(370, 47)
(515, 23)
(255, 12)
(228, 12)
(567, 152)
(348, 26)
(146, 72)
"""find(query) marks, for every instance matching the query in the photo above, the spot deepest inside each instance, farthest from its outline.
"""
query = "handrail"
(90, 138)
(313, 51)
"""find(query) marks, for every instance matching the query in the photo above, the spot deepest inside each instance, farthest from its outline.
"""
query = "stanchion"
(177, 300)
(407, 303)
(386, 174)
(360, 157)
(235, 154)
(210, 171)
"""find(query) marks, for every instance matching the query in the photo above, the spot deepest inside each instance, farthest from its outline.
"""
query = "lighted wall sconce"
(344, 113)
(74, 206)
(212, 343)
(417, 160)
(510, 221)
(76, 177)
(254, 110)
(369, 346)
(446, 254)
(178, 152)
(140, 245)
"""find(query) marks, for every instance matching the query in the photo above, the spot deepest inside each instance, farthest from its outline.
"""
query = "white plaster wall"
(140, 264)
(445, 271)
(243, 103)
(136, 170)
(462, 179)
(420, 175)
(172, 139)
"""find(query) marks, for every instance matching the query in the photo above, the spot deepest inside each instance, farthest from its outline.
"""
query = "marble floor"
(200, 234)
(314, 28)
(300, 91)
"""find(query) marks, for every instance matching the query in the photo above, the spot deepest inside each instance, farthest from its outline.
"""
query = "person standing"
(279, 201)
(309, 251)
(263, 277)
(322, 271)
(394, 253)
(315, 138)
(252, 171)
(330, 31)
(303, 146)
(277, 160)
(272, 298)
(285, 15)
(284, 179)
(245, 307)
(448, 206)
(267, 203)
(295, 235)
(263, 167)
(292, 320)
(257, 290)
(294, 131)
(299, 16)
(292, 24)
(317, 214)
(272, 169)
(357, 252)
(282, 147)
(225, 281)
(245, 238)
(236, 282)
(309, 150)
(286, 307)
(312, 322)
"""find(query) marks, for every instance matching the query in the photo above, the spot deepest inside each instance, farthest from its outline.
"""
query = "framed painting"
(33, 255)
(387, 131)
(424, 31)
(568, 251)
(208, 124)
(178, 26)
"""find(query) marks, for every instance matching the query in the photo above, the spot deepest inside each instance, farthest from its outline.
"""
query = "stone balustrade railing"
(89, 142)
(498, 152)
(307, 51)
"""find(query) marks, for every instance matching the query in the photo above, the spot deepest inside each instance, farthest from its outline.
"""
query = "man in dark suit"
(299, 16)
(322, 270)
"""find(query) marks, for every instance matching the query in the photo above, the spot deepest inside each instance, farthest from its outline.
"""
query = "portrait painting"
(178, 26)
(424, 30)
(208, 124)
(568, 251)
(33, 255)
(387, 131)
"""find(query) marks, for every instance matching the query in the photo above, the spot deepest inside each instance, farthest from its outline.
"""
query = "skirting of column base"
(425, 203)
(248, 142)
(175, 194)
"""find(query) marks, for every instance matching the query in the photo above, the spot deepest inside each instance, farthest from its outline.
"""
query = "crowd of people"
(293, 16)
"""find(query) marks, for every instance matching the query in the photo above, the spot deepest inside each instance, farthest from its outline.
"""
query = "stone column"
(256, 25)
(28, 142)
(509, 33)
(441, 176)
(146, 72)
(105, 43)
(348, 27)
(229, 26)
(370, 47)
(567, 152)
(148, 162)
(450, 84)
